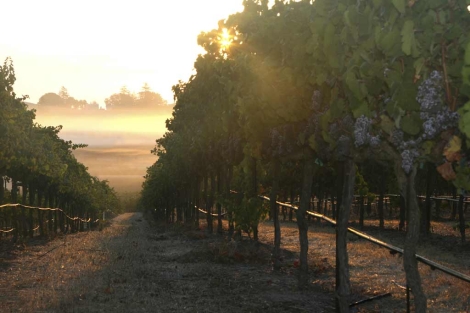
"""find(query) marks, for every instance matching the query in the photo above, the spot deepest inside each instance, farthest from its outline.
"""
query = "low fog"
(119, 143)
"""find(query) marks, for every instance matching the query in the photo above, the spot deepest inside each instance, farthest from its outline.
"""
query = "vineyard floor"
(132, 266)
(375, 271)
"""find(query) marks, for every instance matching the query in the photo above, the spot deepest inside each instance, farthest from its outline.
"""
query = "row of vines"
(322, 99)
(38, 169)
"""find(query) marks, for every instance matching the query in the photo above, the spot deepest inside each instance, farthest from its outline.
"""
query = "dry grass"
(134, 267)
(375, 271)
(56, 276)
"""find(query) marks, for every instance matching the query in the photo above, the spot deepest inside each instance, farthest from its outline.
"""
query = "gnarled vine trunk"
(219, 205)
(275, 214)
(343, 286)
(302, 222)
(413, 278)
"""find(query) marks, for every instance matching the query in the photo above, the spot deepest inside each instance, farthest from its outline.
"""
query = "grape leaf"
(427, 146)
(464, 122)
(452, 149)
(399, 5)
(418, 65)
(378, 3)
(467, 54)
(361, 109)
(353, 84)
(389, 43)
(411, 123)
(386, 124)
(337, 108)
(408, 37)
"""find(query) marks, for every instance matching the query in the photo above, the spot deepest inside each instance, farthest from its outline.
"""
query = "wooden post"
(461, 219)
(381, 199)
(41, 223)
(31, 211)
(219, 205)
(14, 198)
(361, 212)
(24, 226)
(55, 221)
(401, 226)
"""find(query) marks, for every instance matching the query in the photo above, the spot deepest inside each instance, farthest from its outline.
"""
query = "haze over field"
(118, 145)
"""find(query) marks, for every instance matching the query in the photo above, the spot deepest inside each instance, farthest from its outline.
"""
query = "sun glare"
(225, 39)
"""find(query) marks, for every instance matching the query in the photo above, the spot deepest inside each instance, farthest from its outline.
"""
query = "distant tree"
(124, 90)
(51, 99)
(121, 100)
(76, 104)
(93, 106)
(62, 99)
(63, 93)
(148, 98)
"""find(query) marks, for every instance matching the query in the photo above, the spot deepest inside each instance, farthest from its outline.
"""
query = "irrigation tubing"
(44, 209)
(393, 249)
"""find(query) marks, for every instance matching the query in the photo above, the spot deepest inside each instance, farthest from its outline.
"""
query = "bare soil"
(134, 266)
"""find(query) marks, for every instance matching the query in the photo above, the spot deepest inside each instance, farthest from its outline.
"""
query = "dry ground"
(136, 267)
(132, 267)
(375, 271)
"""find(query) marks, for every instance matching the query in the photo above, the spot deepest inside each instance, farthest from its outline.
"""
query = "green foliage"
(462, 181)
(411, 123)
(248, 213)
(299, 76)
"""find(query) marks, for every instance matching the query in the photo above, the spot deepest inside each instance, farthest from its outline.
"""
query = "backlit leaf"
(408, 37)
(399, 5)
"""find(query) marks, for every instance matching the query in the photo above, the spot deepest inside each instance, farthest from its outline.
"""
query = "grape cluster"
(347, 123)
(375, 141)
(339, 127)
(430, 93)
(396, 138)
(436, 116)
(317, 100)
(407, 159)
(430, 128)
(280, 145)
(362, 135)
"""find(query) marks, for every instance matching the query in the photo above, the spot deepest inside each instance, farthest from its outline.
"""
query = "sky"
(94, 47)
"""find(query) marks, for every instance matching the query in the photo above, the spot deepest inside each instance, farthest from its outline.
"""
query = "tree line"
(40, 166)
(145, 99)
(320, 99)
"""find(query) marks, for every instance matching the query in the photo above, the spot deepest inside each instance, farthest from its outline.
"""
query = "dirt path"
(133, 267)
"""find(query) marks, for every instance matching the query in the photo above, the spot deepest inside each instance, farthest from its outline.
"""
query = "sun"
(225, 39)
